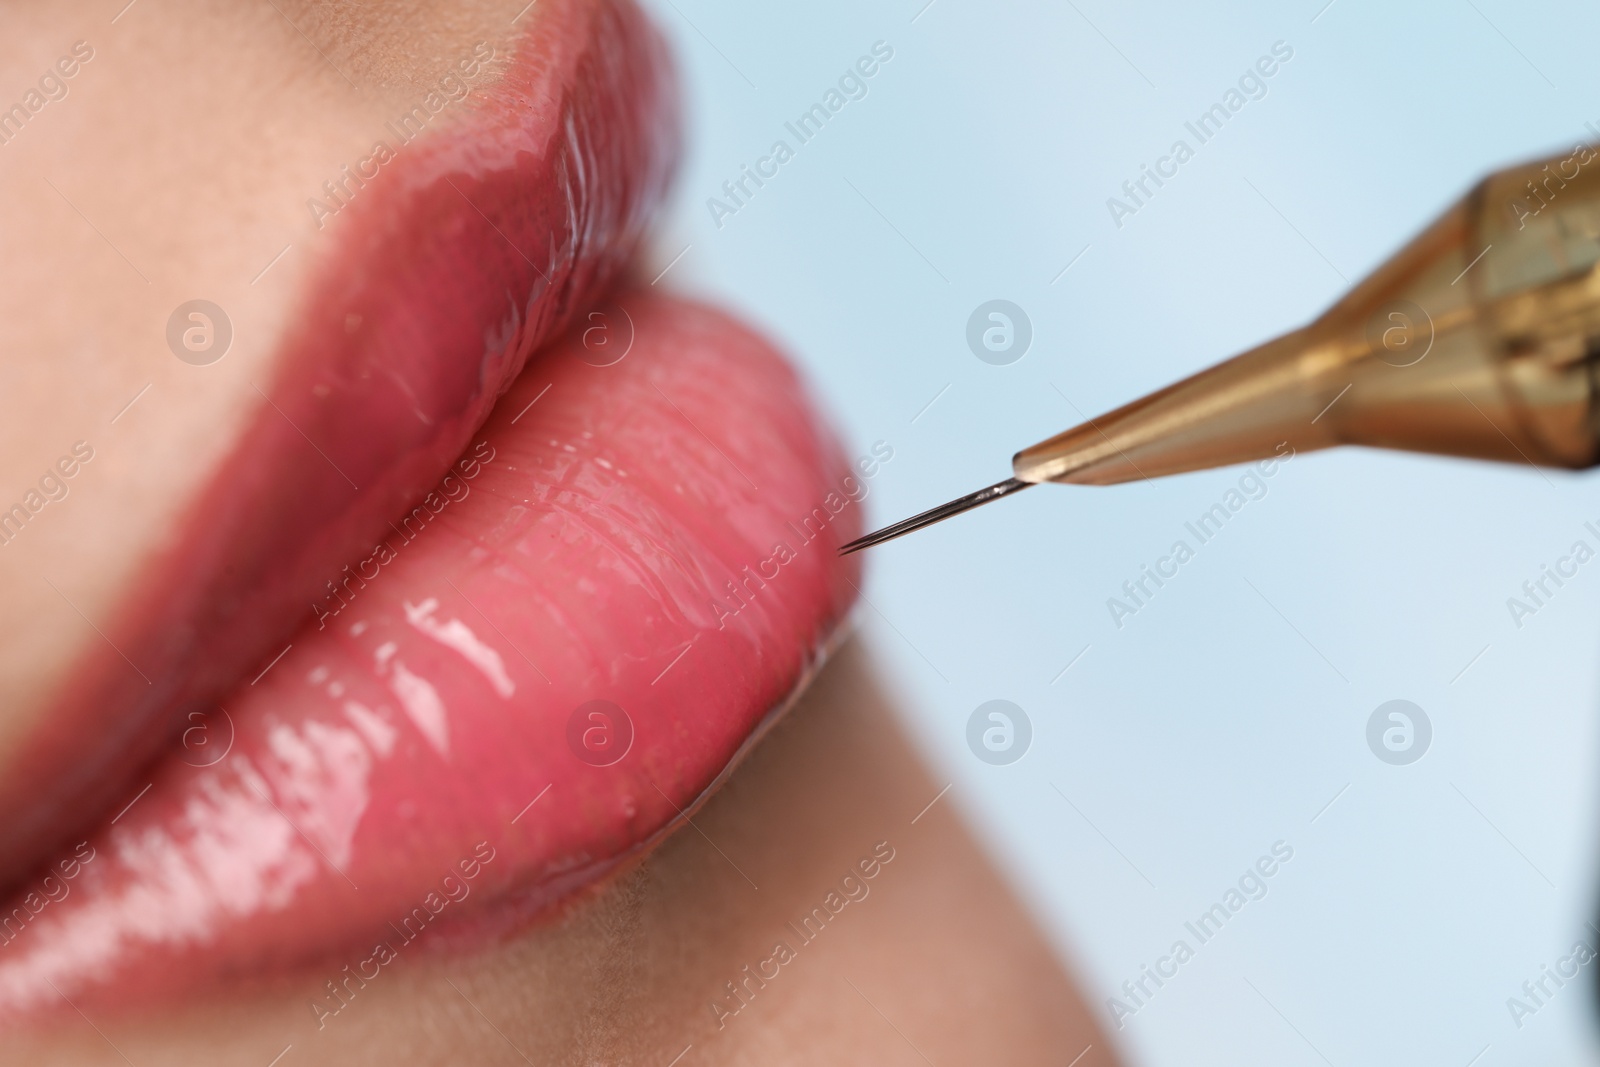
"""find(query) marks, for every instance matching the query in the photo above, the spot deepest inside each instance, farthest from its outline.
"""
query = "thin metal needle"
(938, 514)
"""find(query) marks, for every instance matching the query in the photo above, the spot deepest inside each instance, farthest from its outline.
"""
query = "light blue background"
(1228, 713)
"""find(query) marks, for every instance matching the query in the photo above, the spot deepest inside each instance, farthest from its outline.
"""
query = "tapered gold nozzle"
(1480, 338)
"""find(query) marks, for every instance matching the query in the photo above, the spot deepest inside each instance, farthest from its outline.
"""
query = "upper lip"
(476, 244)
(640, 547)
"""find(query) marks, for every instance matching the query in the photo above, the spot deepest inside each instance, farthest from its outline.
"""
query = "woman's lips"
(471, 247)
(534, 674)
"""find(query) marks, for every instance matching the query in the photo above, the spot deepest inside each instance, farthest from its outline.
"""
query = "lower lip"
(534, 678)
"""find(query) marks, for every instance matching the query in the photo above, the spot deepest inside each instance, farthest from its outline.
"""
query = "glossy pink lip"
(658, 535)
(474, 246)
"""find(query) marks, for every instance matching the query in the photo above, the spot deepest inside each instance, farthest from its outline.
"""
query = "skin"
(112, 250)
(219, 117)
